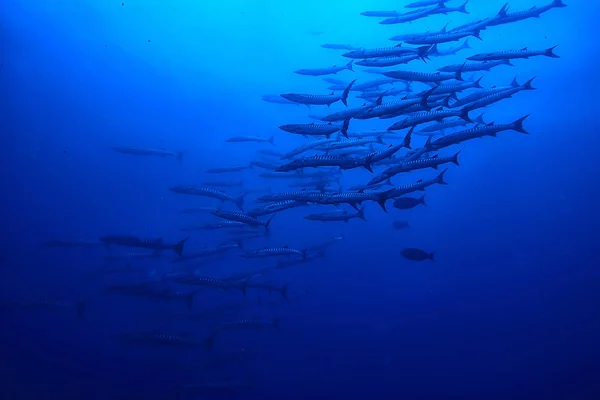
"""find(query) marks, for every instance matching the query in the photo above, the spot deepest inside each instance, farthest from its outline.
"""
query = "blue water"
(509, 310)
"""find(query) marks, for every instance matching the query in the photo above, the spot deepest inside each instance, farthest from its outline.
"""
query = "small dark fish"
(256, 139)
(406, 203)
(417, 254)
(399, 225)
(324, 71)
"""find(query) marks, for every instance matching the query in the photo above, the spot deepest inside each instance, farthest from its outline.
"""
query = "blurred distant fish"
(388, 61)
(344, 216)
(142, 151)
(274, 252)
(406, 203)
(512, 54)
(324, 71)
(226, 169)
(423, 76)
(400, 225)
(408, 36)
(209, 192)
(243, 218)
(320, 99)
(132, 241)
(334, 46)
(443, 37)
(257, 139)
(414, 254)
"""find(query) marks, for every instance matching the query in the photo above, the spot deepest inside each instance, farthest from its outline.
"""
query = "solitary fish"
(324, 71)
(143, 151)
(335, 46)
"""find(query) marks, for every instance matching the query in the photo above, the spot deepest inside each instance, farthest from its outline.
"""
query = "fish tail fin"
(459, 76)
(272, 140)
(455, 157)
(514, 83)
(349, 65)
(346, 92)
(422, 200)
(527, 85)
(268, 223)
(345, 126)
(463, 8)
(558, 3)
(423, 51)
(440, 178)
(361, 214)
(178, 247)
(477, 83)
(477, 33)
(466, 44)
(189, 300)
(431, 256)
(479, 119)
(427, 145)
(239, 201)
(464, 114)
(518, 124)
(180, 156)
(407, 139)
(381, 199)
(502, 12)
(507, 62)
(367, 166)
(550, 52)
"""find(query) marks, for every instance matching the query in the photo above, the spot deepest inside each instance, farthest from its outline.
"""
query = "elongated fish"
(512, 54)
(424, 76)
(209, 192)
(504, 17)
(277, 99)
(320, 99)
(313, 129)
(396, 51)
(132, 241)
(429, 116)
(324, 71)
(144, 151)
(242, 217)
(344, 216)
(476, 66)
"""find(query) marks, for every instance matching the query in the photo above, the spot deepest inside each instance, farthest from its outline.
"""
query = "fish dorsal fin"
(524, 49)
(490, 124)
(332, 93)
(440, 109)
(435, 156)
(286, 246)
(420, 181)
(398, 45)
(330, 123)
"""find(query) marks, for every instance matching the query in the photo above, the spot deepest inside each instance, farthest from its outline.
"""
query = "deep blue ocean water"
(509, 309)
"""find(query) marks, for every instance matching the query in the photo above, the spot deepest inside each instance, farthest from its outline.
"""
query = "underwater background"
(508, 310)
